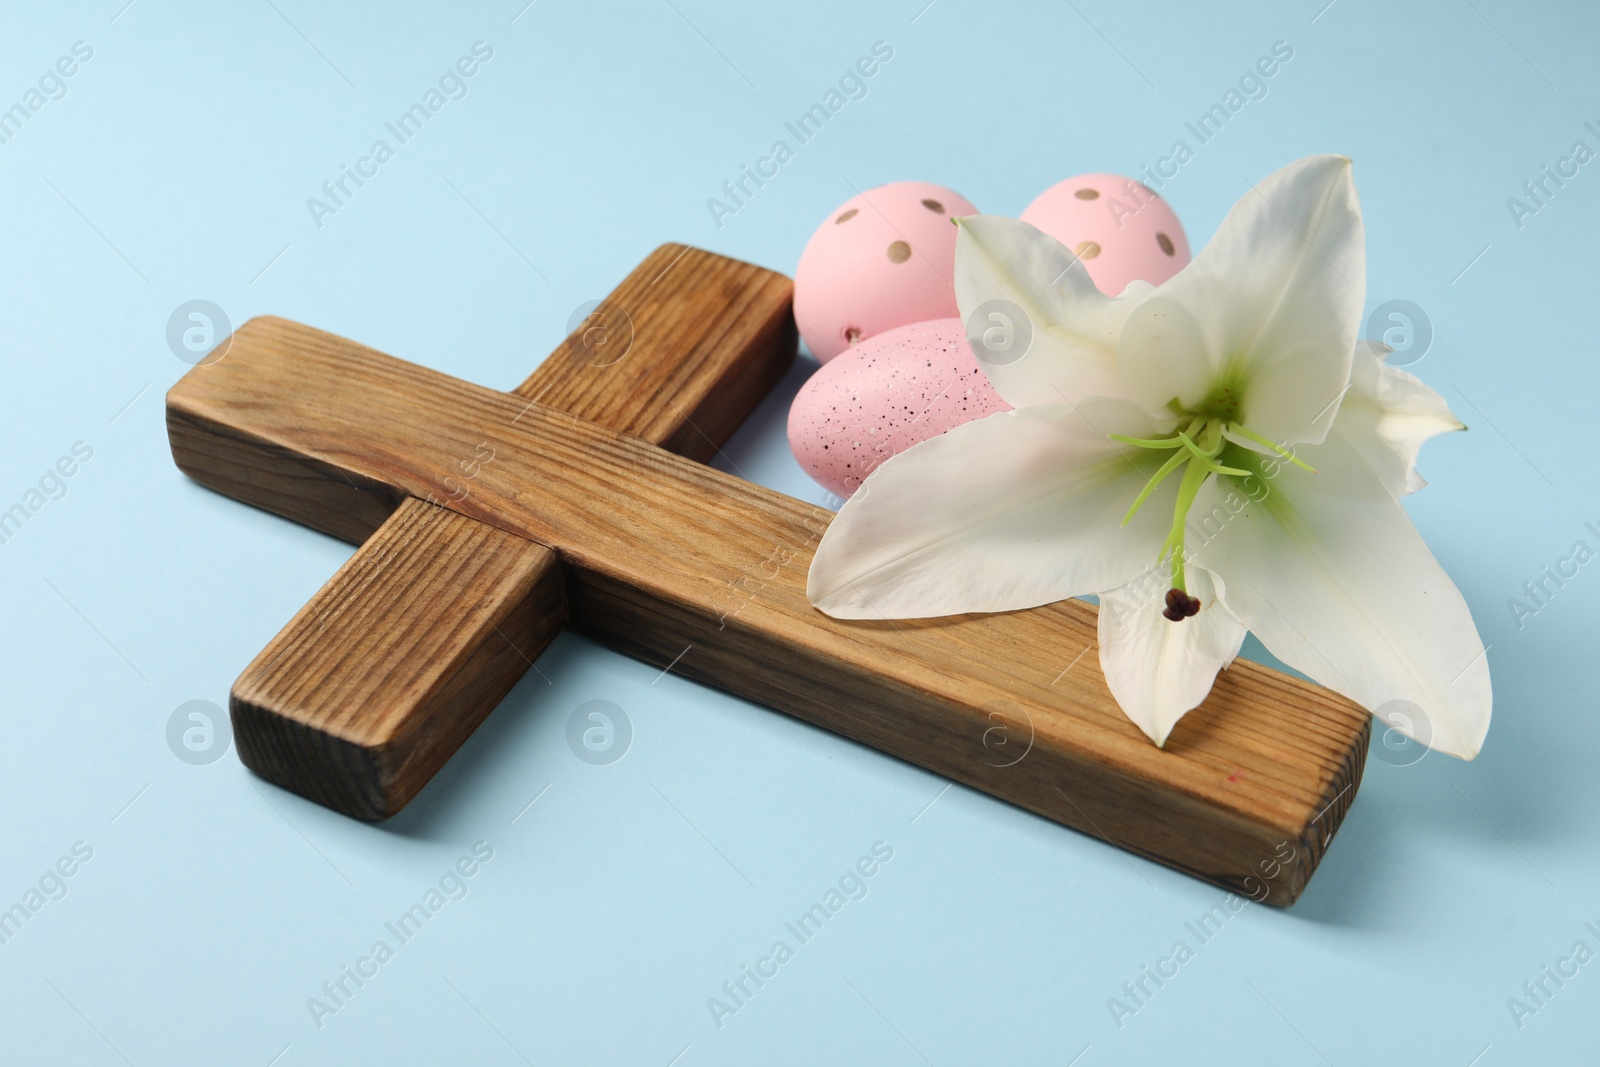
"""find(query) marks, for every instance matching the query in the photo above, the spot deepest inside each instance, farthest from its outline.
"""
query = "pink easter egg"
(883, 259)
(1120, 228)
(884, 395)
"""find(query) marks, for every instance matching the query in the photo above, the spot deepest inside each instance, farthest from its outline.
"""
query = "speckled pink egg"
(1122, 230)
(884, 395)
(882, 259)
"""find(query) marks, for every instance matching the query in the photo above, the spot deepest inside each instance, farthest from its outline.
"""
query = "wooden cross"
(488, 521)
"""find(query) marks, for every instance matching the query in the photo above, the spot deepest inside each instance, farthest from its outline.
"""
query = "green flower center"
(1195, 448)
(1222, 404)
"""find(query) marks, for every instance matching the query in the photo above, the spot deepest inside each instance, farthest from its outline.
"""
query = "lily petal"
(1005, 512)
(1269, 310)
(1160, 670)
(1388, 414)
(1069, 327)
(1327, 570)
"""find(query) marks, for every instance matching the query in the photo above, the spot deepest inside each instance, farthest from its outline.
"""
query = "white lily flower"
(1213, 455)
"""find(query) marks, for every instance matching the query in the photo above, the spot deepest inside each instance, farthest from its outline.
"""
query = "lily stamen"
(1198, 445)
(1267, 442)
(1160, 476)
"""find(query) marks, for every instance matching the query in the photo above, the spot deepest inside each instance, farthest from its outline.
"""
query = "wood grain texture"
(376, 682)
(675, 562)
(707, 338)
(370, 689)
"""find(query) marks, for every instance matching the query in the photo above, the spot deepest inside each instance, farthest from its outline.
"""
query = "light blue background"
(178, 166)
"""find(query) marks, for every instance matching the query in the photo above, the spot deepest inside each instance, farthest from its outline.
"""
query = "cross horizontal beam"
(677, 563)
